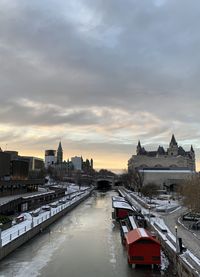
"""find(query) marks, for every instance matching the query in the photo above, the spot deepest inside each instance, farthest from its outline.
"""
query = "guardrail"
(19, 229)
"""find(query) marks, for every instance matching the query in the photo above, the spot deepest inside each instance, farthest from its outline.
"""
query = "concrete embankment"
(181, 267)
(14, 244)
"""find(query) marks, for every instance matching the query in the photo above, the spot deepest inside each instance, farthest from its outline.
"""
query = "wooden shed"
(121, 210)
(118, 198)
(142, 247)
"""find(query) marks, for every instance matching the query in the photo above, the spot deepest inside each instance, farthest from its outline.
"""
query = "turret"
(173, 141)
(160, 151)
(59, 154)
(173, 147)
(139, 148)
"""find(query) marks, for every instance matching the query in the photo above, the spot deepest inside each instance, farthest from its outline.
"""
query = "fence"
(17, 230)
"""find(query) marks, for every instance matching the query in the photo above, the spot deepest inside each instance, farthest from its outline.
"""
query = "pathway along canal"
(84, 243)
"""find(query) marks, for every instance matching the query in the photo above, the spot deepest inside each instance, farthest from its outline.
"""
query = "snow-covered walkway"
(168, 221)
(32, 221)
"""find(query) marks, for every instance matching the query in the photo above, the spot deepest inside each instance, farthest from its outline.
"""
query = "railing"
(17, 230)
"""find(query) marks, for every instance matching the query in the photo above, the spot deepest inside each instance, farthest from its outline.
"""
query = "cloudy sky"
(99, 75)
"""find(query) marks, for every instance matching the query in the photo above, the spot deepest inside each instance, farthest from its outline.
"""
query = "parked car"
(20, 218)
(46, 208)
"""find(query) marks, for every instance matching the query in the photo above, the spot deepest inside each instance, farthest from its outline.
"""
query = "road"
(189, 240)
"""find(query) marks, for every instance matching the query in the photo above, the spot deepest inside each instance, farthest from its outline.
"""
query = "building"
(77, 162)
(164, 167)
(19, 169)
(59, 154)
(4, 165)
(13, 154)
(15, 174)
(34, 163)
(50, 158)
(142, 247)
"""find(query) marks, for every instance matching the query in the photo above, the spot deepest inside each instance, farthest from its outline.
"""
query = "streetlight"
(32, 221)
(176, 229)
(149, 214)
(0, 234)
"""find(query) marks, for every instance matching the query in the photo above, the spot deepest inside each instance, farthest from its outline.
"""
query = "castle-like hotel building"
(164, 167)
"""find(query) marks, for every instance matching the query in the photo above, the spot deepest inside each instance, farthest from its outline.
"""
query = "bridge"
(106, 182)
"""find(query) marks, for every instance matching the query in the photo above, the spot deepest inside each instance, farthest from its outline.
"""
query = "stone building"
(164, 167)
(59, 154)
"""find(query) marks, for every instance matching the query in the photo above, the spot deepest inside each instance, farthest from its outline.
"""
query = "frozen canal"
(83, 243)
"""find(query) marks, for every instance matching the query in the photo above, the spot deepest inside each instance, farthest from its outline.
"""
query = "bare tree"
(137, 180)
(190, 191)
(150, 190)
(126, 179)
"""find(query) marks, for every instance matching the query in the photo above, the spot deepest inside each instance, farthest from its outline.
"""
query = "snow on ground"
(159, 224)
(161, 205)
(164, 261)
(32, 221)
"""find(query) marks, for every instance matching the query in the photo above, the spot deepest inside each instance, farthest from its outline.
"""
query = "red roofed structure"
(142, 247)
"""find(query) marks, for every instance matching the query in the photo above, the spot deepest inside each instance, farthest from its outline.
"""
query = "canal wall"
(181, 267)
(14, 244)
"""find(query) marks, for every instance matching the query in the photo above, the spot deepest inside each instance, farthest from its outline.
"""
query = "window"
(137, 258)
(156, 258)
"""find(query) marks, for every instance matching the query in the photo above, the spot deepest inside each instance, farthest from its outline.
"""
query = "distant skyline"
(99, 76)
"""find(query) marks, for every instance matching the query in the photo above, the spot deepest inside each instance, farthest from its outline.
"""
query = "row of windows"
(157, 165)
(141, 258)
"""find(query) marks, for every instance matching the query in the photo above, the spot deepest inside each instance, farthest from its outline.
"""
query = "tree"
(132, 179)
(125, 179)
(137, 180)
(190, 191)
(150, 190)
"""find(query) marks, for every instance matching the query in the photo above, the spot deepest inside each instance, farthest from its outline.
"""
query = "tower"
(59, 154)
(139, 148)
(173, 147)
(192, 155)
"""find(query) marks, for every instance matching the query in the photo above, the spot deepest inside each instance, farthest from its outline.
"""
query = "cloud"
(107, 72)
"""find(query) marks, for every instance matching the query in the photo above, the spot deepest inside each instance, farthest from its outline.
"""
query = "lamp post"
(32, 222)
(149, 214)
(176, 229)
(0, 234)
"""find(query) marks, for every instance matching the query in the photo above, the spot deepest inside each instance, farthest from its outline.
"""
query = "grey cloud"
(135, 56)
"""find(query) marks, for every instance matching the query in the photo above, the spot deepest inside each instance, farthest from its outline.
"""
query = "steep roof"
(181, 151)
(173, 140)
(161, 150)
(60, 146)
(152, 153)
(139, 144)
(139, 234)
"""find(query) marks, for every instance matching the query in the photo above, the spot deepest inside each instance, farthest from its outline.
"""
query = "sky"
(99, 76)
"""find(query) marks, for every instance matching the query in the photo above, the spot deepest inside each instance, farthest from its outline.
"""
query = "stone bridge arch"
(106, 182)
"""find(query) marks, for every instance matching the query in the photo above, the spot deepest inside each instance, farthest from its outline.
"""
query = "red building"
(142, 247)
(121, 210)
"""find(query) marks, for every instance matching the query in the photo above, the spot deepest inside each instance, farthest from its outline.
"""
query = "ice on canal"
(85, 242)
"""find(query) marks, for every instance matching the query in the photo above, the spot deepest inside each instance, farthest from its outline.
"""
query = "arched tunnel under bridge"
(104, 184)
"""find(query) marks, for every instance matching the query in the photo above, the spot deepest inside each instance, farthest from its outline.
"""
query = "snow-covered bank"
(32, 225)
(186, 261)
